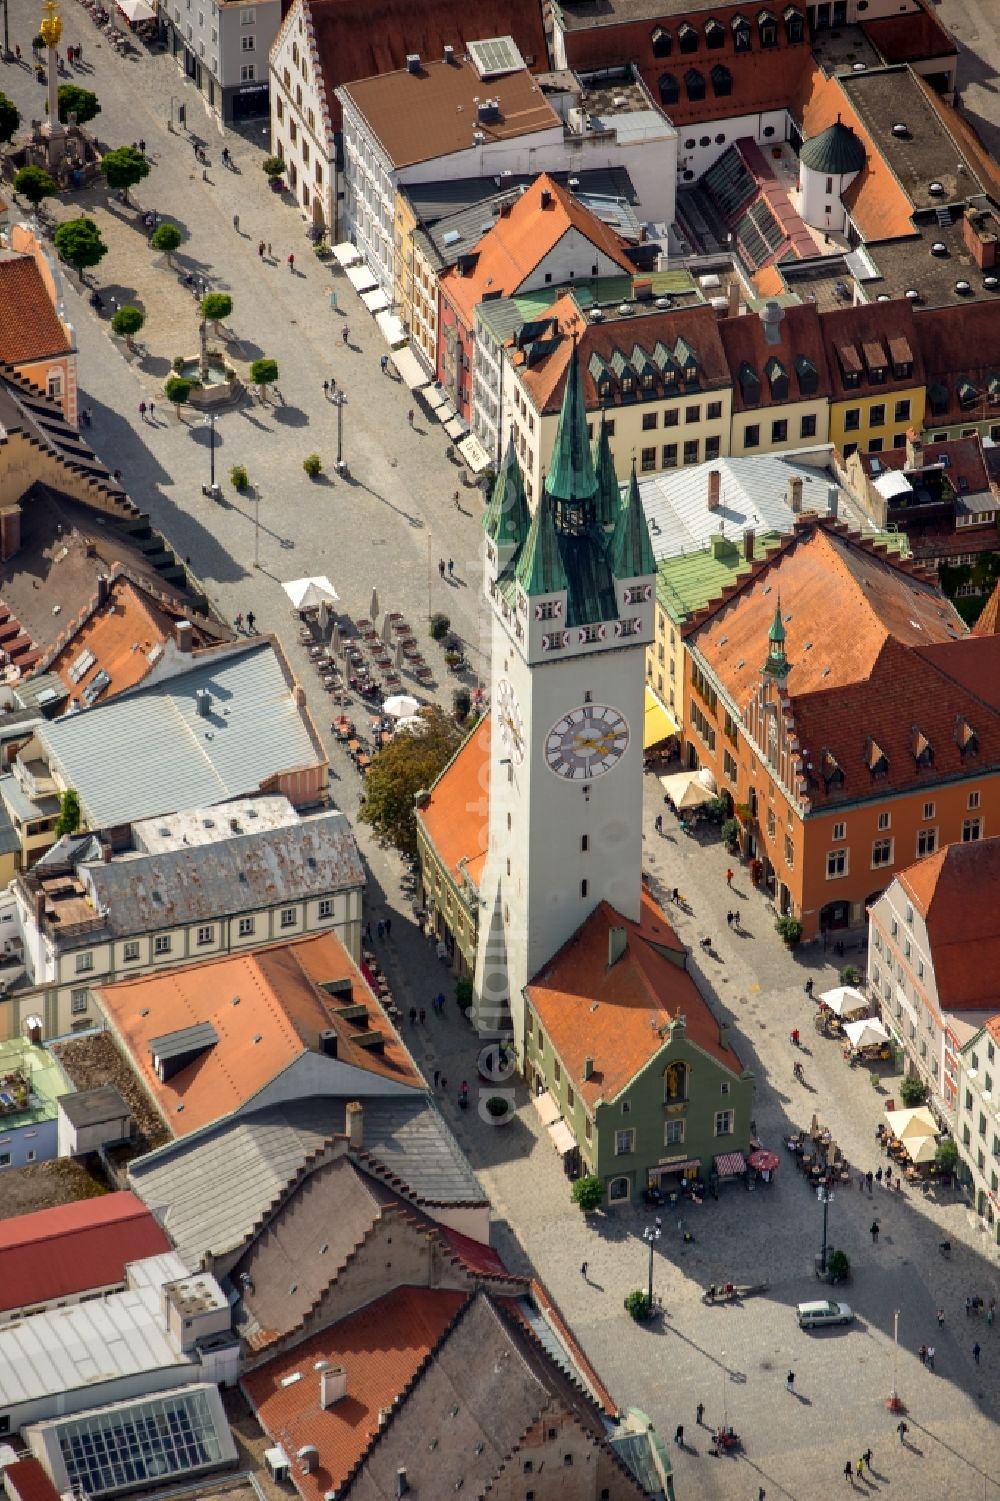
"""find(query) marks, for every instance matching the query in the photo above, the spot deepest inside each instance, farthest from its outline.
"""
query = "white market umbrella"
(686, 790)
(411, 724)
(843, 999)
(373, 612)
(910, 1125)
(865, 1034)
(401, 706)
(308, 594)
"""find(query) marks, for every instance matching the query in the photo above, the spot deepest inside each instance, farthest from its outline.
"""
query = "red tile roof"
(382, 1348)
(476, 1257)
(870, 326)
(519, 241)
(801, 335)
(958, 343)
(456, 820)
(281, 1014)
(26, 1480)
(954, 891)
(57, 1253)
(361, 38)
(963, 457)
(29, 325)
(590, 1010)
(910, 38)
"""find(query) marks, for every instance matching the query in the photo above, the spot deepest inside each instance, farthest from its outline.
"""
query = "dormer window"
(830, 770)
(741, 34)
(875, 363)
(923, 751)
(715, 35)
(966, 738)
(687, 38)
(694, 83)
(777, 379)
(767, 28)
(662, 42)
(876, 759)
(686, 359)
(795, 29)
(749, 385)
(722, 81)
(968, 396)
(937, 395)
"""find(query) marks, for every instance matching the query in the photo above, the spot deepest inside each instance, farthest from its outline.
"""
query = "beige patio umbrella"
(910, 1125)
(399, 656)
(387, 629)
(335, 638)
(843, 999)
(921, 1149)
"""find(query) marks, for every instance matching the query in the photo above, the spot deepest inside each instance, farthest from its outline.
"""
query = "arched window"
(675, 1083)
(661, 42)
(715, 35)
(694, 82)
(795, 28)
(670, 89)
(619, 1189)
(722, 80)
(687, 38)
(741, 34)
(768, 28)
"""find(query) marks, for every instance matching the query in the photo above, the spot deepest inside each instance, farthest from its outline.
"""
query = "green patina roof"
(836, 151)
(540, 566)
(777, 664)
(631, 550)
(507, 518)
(777, 631)
(571, 477)
(609, 495)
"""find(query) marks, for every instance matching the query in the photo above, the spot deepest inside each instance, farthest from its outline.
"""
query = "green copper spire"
(540, 567)
(777, 664)
(631, 552)
(507, 517)
(571, 481)
(608, 489)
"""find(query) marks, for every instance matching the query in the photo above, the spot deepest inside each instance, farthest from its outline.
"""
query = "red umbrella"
(763, 1162)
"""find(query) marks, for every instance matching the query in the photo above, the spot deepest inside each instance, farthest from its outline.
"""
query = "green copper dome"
(835, 151)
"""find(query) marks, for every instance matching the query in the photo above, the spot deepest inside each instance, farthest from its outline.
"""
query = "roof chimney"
(183, 635)
(617, 944)
(749, 537)
(332, 1383)
(39, 908)
(203, 702)
(449, 54)
(103, 590)
(588, 1067)
(723, 1034)
(356, 1124)
(914, 450)
(299, 696)
(546, 198)
(328, 1042)
(402, 1484)
(714, 488)
(795, 493)
(413, 62)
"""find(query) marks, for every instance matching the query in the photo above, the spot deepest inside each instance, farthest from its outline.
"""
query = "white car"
(819, 1315)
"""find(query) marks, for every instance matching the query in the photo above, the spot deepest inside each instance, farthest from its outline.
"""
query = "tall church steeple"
(630, 547)
(608, 488)
(777, 665)
(507, 518)
(571, 481)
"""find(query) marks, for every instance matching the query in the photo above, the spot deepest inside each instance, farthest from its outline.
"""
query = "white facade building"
(302, 132)
(977, 1124)
(222, 50)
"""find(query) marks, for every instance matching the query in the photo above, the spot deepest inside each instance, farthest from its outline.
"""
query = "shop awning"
(346, 253)
(435, 398)
(445, 413)
(375, 300)
(548, 1109)
(360, 278)
(730, 1164)
(562, 1138)
(456, 428)
(684, 1166)
(658, 723)
(474, 453)
(391, 329)
(411, 372)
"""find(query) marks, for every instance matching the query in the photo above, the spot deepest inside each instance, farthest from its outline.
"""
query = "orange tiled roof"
(954, 890)
(801, 335)
(872, 647)
(29, 325)
(382, 1349)
(280, 1014)
(589, 1010)
(510, 251)
(877, 203)
(457, 818)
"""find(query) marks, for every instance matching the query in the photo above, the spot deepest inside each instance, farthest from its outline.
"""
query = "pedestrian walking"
(761, 1494)
(251, 622)
(152, 410)
(902, 1429)
(736, 921)
(451, 568)
(380, 929)
(790, 1382)
(142, 146)
(326, 389)
(238, 622)
(142, 410)
(423, 1015)
(79, 52)
(699, 1413)
(931, 1352)
(878, 1177)
(860, 1468)
(888, 1177)
(729, 919)
(991, 1311)
(333, 384)
(849, 1472)
(437, 1075)
(384, 363)
(861, 1182)
(368, 931)
(269, 253)
(968, 1306)
(413, 1016)
(679, 1435)
(409, 416)
(260, 249)
(291, 262)
(922, 1353)
(874, 1232)
(583, 1268)
(940, 1317)
(658, 823)
(867, 1457)
(441, 566)
(976, 1352)
(388, 926)
(444, 1086)
(345, 333)
(729, 877)
(869, 1179)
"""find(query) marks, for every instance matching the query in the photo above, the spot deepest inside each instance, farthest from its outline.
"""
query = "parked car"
(819, 1315)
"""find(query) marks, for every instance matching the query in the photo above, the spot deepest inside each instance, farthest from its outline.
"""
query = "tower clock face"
(586, 742)
(510, 720)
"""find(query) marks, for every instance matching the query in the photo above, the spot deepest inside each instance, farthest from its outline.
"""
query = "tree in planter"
(127, 322)
(177, 390)
(216, 306)
(850, 975)
(789, 928)
(273, 167)
(588, 1192)
(946, 1155)
(497, 1106)
(69, 813)
(462, 703)
(123, 168)
(78, 242)
(731, 835)
(463, 992)
(238, 477)
(440, 626)
(313, 465)
(34, 183)
(637, 1305)
(400, 770)
(166, 238)
(79, 102)
(912, 1092)
(838, 1266)
(10, 119)
(264, 373)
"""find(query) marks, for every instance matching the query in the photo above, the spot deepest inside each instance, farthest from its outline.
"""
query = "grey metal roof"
(185, 1040)
(41, 692)
(754, 497)
(247, 872)
(257, 1156)
(21, 805)
(91, 1107)
(149, 751)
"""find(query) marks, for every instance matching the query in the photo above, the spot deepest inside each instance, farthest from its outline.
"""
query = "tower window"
(585, 842)
(588, 697)
(583, 888)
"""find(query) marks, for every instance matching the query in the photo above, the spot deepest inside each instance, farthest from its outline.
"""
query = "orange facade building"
(851, 716)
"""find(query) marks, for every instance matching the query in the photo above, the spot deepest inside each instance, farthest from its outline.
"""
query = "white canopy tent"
(688, 789)
(401, 706)
(391, 329)
(309, 594)
(865, 1033)
(136, 10)
(843, 999)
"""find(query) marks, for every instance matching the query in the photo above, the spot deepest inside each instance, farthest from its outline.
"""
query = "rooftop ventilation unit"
(913, 294)
(663, 302)
(936, 189)
(900, 130)
(991, 283)
(624, 308)
(413, 62)
(449, 55)
(883, 297)
(596, 314)
(963, 288)
(939, 248)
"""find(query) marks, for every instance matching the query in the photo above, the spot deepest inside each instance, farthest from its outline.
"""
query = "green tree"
(177, 390)
(78, 243)
(166, 237)
(912, 1092)
(123, 168)
(79, 102)
(946, 1154)
(215, 306)
(69, 813)
(10, 119)
(637, 1305)
(264, 373)
(273, 166)
(588, 1192)
(127, 322)
(407, 765)
(313, 465)
(789, 928)
(34, 183)
(838, 1266)
(463, 992)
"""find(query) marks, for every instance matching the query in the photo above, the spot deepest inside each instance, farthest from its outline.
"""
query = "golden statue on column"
(50, 31)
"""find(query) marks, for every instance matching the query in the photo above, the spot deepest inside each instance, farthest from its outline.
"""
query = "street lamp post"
(256, 526)
(651, 1235)
(825, 1195)
(340, 401)
(210, 424)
